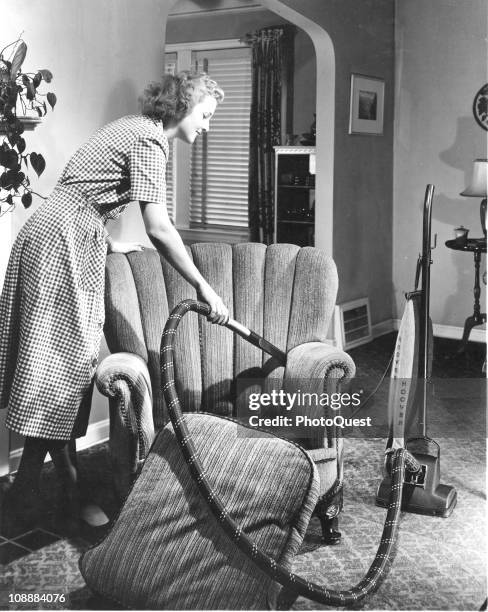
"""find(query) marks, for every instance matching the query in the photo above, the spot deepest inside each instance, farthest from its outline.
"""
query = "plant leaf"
(36, 81)
(42, 164)
(26, 199)
(21, 145)
(18, 59)
(51, 98)
(47, 75)
(19, 179)
(30, 91)
(16, 179)
(8, 179)
(10, 159)
(4, 71)
(38, 163)
(3, 180)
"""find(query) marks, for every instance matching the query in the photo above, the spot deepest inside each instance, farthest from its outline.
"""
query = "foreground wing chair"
(283, 292)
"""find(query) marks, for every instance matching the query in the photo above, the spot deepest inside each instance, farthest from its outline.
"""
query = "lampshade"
(478, 185)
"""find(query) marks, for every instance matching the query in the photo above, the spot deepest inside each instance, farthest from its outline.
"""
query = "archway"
(324, 50)
(325, 109)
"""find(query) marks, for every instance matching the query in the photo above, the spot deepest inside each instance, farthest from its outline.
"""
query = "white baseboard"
(385, 327)
(452, 332)
(96, 433)
(478, 334)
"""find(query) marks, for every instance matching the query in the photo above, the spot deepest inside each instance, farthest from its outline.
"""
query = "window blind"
(219, 160)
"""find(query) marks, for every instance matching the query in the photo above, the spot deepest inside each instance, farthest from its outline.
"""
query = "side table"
(475, 246)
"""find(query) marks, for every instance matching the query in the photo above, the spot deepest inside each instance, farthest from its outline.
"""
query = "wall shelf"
(296, 187)
(294, 221)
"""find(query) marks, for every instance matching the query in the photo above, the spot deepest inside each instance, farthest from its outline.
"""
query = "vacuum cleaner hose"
(401, 461)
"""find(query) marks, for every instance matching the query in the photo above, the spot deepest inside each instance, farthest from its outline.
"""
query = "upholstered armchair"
(283, 292)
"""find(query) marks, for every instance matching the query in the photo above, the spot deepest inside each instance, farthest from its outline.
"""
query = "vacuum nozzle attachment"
(422, 491)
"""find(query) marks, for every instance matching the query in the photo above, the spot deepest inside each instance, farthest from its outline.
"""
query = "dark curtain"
(269, 51)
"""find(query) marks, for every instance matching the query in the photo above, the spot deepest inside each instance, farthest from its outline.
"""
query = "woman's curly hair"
(174, 98)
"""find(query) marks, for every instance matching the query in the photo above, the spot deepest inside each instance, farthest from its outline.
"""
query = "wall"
(101, 55)
(363, 37)
(188, 7)
(441, 63)
(200, 26)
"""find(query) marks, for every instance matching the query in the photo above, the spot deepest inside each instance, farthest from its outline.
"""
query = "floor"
(20, 542)
(18, 539)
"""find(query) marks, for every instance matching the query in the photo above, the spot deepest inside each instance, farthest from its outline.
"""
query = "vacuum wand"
(257, 340)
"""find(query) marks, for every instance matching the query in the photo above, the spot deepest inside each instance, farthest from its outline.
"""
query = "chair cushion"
(166, 550)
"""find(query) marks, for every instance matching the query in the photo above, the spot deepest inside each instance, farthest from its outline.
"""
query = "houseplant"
(21, 106)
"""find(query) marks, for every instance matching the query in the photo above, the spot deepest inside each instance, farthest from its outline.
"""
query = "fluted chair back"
(283, 292)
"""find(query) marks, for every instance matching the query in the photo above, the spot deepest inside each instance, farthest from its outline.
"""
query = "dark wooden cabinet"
(294, 198)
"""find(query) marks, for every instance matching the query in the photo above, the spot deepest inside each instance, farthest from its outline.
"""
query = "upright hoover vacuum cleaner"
(408, 396)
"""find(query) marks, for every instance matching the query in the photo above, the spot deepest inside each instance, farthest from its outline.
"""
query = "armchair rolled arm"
(318, 360)
(316, 367)
(124, 379)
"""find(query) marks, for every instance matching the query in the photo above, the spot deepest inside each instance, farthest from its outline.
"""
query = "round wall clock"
(480, 107)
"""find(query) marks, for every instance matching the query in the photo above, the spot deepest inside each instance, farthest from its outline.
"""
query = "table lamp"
(478, 188)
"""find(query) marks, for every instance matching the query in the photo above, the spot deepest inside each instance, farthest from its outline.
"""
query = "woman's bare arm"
(168, 242)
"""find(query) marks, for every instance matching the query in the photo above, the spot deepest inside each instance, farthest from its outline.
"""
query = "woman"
(51, 308)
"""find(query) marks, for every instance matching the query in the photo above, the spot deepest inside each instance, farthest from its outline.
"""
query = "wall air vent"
(352, 323)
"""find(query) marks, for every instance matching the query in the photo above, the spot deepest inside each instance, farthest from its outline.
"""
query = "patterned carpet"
(439, 564)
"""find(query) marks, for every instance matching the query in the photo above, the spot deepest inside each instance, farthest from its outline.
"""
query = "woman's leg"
(63, 455)
(64, 460)
(29, 471)
(21, 504)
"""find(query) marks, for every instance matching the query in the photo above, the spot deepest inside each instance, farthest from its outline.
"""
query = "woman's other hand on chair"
(114, 246)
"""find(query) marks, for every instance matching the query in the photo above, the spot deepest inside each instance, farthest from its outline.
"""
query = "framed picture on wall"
(367, 105)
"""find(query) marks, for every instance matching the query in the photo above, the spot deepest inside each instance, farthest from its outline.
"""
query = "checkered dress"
(52, 307)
